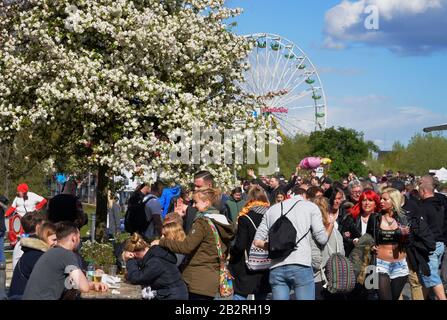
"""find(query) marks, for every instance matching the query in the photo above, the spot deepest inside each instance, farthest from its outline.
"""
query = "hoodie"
(166, 198)
(201, 271)
(159, 271)
(432, 210)
(33, 249)
(233, 207)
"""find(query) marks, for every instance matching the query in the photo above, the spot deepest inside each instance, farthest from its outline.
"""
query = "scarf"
(251, 205)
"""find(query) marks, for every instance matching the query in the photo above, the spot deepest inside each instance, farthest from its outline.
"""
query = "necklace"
(389, 223)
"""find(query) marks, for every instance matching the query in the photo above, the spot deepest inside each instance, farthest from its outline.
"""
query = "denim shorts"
(435, 261)
(393, 269)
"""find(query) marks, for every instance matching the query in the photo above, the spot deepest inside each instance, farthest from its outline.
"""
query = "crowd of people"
(207, 240)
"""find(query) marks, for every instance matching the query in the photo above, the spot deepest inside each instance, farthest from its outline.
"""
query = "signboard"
(320, 172)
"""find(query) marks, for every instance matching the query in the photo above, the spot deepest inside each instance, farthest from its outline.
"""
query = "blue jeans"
(2, 247)
(262, 296)
(293, 276)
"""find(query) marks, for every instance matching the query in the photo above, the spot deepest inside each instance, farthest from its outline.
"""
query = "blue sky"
(388, 83)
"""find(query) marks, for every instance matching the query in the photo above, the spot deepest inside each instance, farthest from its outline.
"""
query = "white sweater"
(304, 216)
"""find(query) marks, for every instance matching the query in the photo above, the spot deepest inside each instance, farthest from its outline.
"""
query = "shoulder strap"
(287, 213)
(148, 198)
(217, 239)
(282, 208)
(256, 228)
(336, 245)
(302, 237)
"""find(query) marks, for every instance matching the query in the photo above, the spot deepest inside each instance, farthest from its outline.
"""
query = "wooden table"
(127, 292)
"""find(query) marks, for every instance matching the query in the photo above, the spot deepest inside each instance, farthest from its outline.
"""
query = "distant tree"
(424, 152)
(291, 152)
(346, 147)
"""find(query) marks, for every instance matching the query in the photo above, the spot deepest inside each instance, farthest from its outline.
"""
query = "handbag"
(225, 278)
(257, 258)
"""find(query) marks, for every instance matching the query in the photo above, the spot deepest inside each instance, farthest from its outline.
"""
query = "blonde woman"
(389, 229)
(173, 229)
(153, 267)
(201, 272)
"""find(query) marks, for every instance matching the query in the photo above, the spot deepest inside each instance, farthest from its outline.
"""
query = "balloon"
(314, 162)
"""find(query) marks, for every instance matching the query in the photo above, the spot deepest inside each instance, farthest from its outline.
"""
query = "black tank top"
(389, 236)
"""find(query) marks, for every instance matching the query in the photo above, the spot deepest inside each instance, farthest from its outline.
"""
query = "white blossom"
(121, 74)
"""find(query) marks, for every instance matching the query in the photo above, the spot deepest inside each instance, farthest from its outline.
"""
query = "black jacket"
(374, 221)
(245, 281)
(441, 197)
(354, 227)
(272, 193)
(158, 270)
(33, 249)
(421, 244)
(433, 211)
(3, 207)
(411, 208)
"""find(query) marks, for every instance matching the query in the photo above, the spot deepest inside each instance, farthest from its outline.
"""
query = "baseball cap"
(22, 187)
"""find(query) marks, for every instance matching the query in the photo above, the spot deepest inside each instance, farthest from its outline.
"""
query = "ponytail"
(208, 194)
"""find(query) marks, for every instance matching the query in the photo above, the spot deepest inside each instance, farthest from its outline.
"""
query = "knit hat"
(22, 187)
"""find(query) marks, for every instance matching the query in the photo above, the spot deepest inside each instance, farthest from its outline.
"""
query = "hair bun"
(135, 238)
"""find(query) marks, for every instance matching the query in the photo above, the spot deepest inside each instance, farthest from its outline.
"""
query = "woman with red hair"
(355, 223)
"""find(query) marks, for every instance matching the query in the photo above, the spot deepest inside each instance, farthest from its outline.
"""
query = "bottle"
(90, 271)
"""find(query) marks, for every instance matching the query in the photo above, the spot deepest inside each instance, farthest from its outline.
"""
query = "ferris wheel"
(286, 83)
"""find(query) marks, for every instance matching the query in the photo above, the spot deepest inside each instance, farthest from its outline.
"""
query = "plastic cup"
(112, 270)
(97, 277)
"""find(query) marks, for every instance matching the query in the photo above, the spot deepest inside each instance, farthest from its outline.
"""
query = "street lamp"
(436, 128)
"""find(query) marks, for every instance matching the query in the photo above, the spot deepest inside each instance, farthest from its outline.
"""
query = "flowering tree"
(106, 81)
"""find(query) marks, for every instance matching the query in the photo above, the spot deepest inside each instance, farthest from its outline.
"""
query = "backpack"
(338, 273)
(135, 219)
(282, 236)
(257, 259)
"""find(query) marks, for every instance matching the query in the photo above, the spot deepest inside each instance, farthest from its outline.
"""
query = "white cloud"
(391, 8)
(330, 43)
(407, 27)
(379, 119)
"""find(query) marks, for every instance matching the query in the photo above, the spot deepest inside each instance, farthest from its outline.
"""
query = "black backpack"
(135, 219)
(282, 236)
